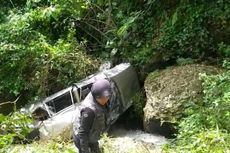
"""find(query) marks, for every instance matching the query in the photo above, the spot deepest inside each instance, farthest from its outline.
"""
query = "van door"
(115, 104)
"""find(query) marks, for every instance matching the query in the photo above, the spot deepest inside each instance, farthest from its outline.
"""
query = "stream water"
(138, 135)
(135, 141)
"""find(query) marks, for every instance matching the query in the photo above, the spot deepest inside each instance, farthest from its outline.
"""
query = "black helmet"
(101, 88)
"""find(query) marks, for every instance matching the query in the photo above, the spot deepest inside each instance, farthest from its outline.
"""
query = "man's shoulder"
(87, 113)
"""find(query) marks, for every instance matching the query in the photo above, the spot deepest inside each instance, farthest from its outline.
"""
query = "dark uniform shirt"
(86, 123)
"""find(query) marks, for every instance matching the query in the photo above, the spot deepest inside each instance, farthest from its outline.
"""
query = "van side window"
(60, 102)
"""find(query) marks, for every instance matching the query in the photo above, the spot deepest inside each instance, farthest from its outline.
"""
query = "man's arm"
(86, 122)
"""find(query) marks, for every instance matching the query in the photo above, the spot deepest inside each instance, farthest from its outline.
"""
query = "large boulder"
(168, 92)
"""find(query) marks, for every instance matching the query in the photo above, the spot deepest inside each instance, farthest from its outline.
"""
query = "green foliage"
(174, 29)
(13, 128)
(185, 61)
(205, 127)
(107, 144)
(39, 53)
(224, 49)
(44, 46)
(45, 34)
(138, 105)
(50, 146)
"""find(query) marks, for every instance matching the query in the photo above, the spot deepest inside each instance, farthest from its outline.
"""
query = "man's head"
(101, 91)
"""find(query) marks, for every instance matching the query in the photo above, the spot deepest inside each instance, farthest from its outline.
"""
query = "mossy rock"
(169, 91)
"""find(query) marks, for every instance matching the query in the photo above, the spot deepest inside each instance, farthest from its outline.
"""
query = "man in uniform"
(90, 121)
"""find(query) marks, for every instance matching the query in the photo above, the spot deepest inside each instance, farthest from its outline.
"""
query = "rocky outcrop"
(169, 91)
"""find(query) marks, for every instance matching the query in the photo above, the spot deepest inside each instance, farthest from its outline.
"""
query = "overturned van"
(55, 114)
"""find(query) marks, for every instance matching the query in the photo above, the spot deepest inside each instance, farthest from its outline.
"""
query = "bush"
(39, 53)
(149, 33)
(14, 128)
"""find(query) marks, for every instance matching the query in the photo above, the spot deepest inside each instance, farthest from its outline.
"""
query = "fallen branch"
(10, 102)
